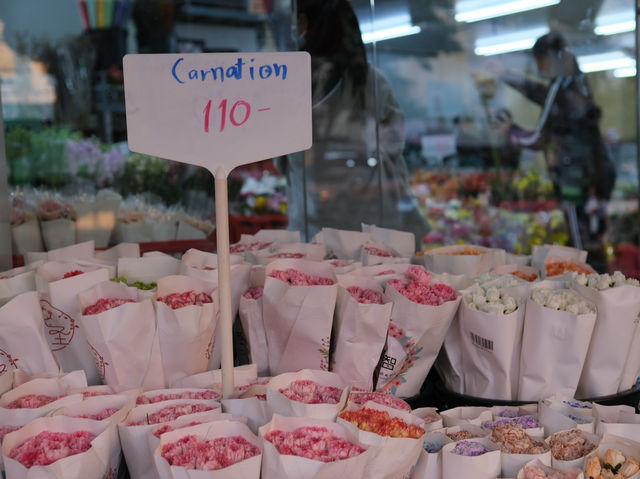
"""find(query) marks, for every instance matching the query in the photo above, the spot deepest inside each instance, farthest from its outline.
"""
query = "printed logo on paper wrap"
(324, 351)
(100, 362)
(401, 355)
(210, 346)
(7, 362)
(60, 326)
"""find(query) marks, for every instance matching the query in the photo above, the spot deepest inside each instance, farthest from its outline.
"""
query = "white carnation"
(562, 300)
(493, 308)
(493, 294)
(592, 281)
(510, 304)
(555, 301)
(633, 282)
(580, 278)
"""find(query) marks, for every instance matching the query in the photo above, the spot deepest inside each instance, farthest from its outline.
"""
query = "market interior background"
(65, 133)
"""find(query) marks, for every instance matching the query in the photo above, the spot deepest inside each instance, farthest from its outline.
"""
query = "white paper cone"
(627, 447)
(548, 470)
(618, 309)
(73, 380)
(147, 269)
(22, 343)
(185, 334)
(485, 466)
(403, 242)
(475, 415)
(343, 244)
(244, 374)
(554, 347)
(121, 250)
(281, 466)
(250, 311)
(58, 233)
(123, 339)
(416, 334)
(451, 259)
(96, 220)
(26, 237)
(512, 463)
(298, 319)
(280, 404)
(91, 464)
(429, 465)
(540, 253)
(256, 411)
(620, 421)
(94, 405)
(360, 332)
(576, 463)
(16, 281)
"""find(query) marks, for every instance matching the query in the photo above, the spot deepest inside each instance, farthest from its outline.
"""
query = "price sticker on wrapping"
(218, 110)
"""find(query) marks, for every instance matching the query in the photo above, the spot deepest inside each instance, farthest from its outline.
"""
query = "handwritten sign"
(218, 109)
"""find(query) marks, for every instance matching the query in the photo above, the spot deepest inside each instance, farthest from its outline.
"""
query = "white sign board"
(218, 110)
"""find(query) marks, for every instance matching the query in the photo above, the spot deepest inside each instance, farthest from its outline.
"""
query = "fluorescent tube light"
(390, 32)
(613, 23)
(511, 42)
(625, 72)
(476, 10)
(605, 61)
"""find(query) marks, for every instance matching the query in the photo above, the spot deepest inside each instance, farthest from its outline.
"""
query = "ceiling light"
(611, 24)
(476, 10)
(511, 42)
(624, 72)
(390, 32)
(605, 61)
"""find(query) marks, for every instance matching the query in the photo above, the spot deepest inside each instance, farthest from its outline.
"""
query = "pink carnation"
(312, 442)
(372, 250)
(298, 278)
(308, 392)
(338, 263)
(170, 413)
(192, 452)
(32, 401)
(104, 304)
(48, 447)
(104, 414)
(89, 394)
(209, 394)
(167, 428)
(70, 274)
(254, 293)
(365, 296)
(420, 291)
(287, 255)
(243, 247)
(385, 272)
(360, 398)
(188, 298)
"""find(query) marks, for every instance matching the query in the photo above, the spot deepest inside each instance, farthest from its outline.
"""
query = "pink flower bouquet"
(226, 449)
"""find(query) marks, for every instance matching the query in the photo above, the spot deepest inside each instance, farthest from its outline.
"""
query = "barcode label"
(481, 342)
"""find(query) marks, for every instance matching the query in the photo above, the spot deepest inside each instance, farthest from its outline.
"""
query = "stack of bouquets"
(298, 304)
(421, 314)
(25, 229)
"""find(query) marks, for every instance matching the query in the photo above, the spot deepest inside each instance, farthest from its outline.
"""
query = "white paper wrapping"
(556, 417)
(429, 465)
(485, 466)
(58, 233)
(620, 421)
(186, 334)
(23, 343)
(280, 404)
(123, 339)
(26, 237)
(416, 333)
(16, 281)
(554, 347)
(451, 259)
(247, 469)
(403, 242)
(94, 463)
(368, 258)
(618, 309)
(626, 446)
(458, 416)
(61, 314)
(73, 252)
(343, 244)
(360, 333)
(632, 365)
(250, 312)
(135, 443)
(577, 463)
(147, 269)
(281, 466)
(213, 379)
(298, 319)
(540, 253)
(546, 469)
(245, 404)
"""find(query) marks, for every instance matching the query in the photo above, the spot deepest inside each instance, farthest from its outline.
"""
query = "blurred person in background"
(567, 132)
(355, 172)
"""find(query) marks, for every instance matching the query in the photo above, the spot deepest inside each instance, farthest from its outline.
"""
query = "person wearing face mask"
(567, 131)
(355, 171)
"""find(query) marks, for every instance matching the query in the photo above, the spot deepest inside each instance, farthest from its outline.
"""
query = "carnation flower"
(287, 255)
(532, 471)
(4, 430)
(462, 435)
(169, 413)
(208, 394)
(527, 422)
(254, 293)
(604, 281)
(512, 439)
(244, 247)
(32, 401)
(373, 251)
(48, 447)
(562, 300)
(313, 442)
(365, 296)
(104, 414)
(168, 428)
(469, 448)
(557, 268)
(381, 423)
(298, 278)
(489, 300)
(309, 392)
(570, 445)
(420, 291)
(70, 274)
(104, 304)
(192, 452)
(188, 298)
(360, 398)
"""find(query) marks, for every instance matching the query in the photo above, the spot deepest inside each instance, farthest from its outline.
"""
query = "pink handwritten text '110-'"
(238, 114)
